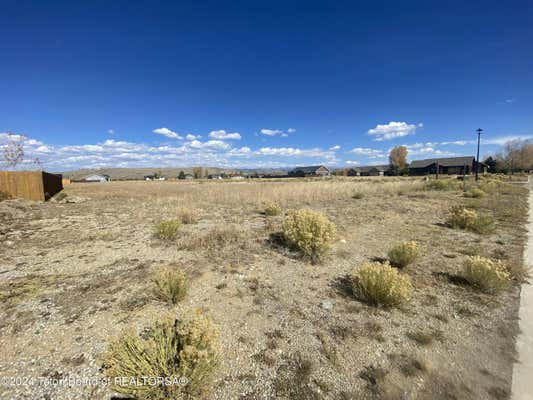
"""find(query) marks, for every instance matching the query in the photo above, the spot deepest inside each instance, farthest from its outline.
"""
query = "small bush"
(404, 254)
(188, 215)
(167, 230)
(170, 285)
(309, 231)
(474, 193)
(463, 218)
(380, 285)
(441, 184)
(358, 195)
(187, 348)
(485, 274)
(272, 209)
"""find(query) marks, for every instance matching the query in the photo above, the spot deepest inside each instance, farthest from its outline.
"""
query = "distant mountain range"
(140, 173)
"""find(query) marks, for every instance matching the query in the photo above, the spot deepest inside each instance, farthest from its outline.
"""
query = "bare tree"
(198, 172)
(517, 155)
(13, 150)
(13, 153)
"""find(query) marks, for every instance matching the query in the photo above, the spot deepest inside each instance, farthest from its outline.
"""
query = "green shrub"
(463, 218)
(309, 231)
(170, 285)
(171, 349)
(404, 254)
(474, 193)
(380, 285)
(187, 215)
(167, 230)
(272, 209)
(485, 274)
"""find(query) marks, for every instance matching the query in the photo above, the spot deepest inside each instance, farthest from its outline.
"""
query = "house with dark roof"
(314, 170)
(446, 166)
(370, 170)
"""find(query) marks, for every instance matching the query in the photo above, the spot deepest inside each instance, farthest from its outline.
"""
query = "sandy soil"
(75, 275)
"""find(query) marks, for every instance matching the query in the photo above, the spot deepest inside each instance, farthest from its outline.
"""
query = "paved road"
(523, 370)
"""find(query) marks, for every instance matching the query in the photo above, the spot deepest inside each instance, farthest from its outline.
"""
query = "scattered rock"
(327, 304)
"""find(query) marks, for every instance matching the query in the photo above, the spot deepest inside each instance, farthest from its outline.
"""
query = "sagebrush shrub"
(187, 215)
(474, 193)
(309, 231)
(485, 274)
(379, 284)
(462, 218)
(170, 285)
(167, 230)
(441, 184)
(272, 209)
(187, 348)
(404, 254)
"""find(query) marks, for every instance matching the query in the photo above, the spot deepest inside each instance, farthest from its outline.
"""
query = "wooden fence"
(31, 185)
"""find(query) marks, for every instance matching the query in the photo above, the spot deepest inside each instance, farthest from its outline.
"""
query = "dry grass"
(254, 194)
(188, 215)
(474, 193)
(253, 285)
(214, 240)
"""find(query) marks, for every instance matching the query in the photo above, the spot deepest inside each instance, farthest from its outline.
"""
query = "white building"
(97, 178)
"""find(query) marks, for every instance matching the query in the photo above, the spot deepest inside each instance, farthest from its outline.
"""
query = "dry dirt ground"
(74, 275)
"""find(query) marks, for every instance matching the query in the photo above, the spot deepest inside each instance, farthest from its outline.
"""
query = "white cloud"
(510, 101)
(210, 144)
(190, 136)
(243, 151)
(500, 141)
(223, 135)
(167, 132)
(350, 162)
(334, 148)
(276, 132)
(458, 142)
(111, 131)
(371, 153)
(393, 130)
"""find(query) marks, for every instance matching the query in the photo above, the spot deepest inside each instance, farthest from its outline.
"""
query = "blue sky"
(262, 84)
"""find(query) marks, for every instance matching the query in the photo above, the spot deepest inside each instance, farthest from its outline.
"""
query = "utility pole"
(479, 131)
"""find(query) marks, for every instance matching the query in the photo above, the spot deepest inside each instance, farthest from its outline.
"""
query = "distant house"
(315, 170)
(371, 170)
(97, 178)
(214, 176)
(153, 178)
(446, 166)
(189, 176)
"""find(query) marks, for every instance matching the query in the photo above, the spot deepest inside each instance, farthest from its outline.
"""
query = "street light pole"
(479, 131)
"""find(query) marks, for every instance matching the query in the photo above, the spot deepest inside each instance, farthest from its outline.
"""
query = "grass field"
(75, 275)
